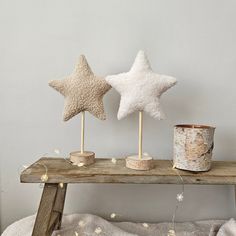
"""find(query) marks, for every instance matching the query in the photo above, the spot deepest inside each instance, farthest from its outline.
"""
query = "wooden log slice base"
(135, 163)
(86, 158)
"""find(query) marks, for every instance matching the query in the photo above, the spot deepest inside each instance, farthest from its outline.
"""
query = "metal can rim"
(194, 126)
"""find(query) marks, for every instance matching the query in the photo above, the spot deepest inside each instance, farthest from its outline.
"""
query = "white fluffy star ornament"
(140, 88)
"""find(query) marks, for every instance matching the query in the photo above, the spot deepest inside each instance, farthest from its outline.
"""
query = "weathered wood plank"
(54, 221)
(235, 196)
(59, 203)
(104, 171)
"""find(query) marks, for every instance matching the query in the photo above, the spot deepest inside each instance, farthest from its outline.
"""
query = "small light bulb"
(180, 197)
(98, 230)
(145, 225)
(113, 215)
(171, 232)
(57, 151)
(113, 160)
(61, 185)
(80, 164)
(81, 223)
(44, 178)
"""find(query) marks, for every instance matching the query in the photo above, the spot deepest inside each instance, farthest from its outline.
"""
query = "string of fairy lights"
(98, 230)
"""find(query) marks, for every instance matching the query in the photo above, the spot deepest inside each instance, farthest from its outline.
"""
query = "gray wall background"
(193, 40)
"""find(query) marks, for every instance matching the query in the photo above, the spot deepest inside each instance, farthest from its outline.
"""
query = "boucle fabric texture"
(85, 224)
(228, 229)
(140, 88)
(83, 91)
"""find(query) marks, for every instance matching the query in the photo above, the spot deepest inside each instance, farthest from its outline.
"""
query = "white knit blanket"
(90, 225)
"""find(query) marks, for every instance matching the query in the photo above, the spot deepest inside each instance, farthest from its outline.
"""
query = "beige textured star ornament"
(83, 91)
(140, 90)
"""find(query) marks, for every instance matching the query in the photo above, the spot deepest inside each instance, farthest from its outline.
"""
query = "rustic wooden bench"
(105, 171)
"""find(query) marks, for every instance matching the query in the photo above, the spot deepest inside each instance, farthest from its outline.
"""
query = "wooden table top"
(104, 171)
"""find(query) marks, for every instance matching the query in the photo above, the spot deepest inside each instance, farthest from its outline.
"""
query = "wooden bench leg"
(234, 195)
(50, 210)
(59, 204)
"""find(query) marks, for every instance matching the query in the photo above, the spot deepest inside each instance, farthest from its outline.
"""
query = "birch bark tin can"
(193, 147)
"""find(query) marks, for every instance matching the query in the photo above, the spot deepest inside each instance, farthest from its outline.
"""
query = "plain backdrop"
(193, 40)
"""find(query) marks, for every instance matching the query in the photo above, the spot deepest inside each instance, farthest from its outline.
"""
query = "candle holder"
(193, 147)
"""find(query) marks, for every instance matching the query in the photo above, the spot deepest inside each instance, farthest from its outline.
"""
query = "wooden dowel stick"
(82, 132)
(140, 143)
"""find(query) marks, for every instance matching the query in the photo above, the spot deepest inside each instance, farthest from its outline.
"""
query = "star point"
(141, 62)
(82, 68)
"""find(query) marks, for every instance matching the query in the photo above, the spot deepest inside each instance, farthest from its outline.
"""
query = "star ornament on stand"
(83, 91)
(140, 90)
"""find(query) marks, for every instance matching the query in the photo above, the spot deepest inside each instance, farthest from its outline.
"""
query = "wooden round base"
(86, 158)
(135, 163)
